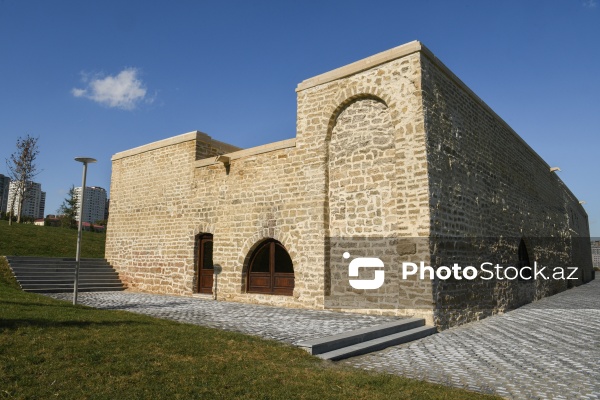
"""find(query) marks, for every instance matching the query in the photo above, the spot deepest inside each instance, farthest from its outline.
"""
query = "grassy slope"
(51, 349)
(48, 241)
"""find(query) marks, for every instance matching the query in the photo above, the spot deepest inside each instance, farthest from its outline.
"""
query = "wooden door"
(271, 270)
(204, 263)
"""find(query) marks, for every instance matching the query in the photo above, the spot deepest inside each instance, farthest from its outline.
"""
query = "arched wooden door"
(204, 263)
(271, 270)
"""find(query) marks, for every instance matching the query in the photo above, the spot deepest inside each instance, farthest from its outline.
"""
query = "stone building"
(394, 159)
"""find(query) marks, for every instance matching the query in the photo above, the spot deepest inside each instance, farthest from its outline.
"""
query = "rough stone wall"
(398, 85)
(269, 195)
(149, 222)
(350, 120)
(362, 173)
(364, 202)
(489, 189)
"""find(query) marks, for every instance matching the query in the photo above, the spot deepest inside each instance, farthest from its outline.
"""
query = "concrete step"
(67, 285)
(62, 264)
(66, 274)
(56, 275)
(378, 344)
(63, 271)
(70, 278)
(41, 263)
(69, 265)
(364, 340)
(70, 290)
(82, 281)
(58, 264)
(333, 342)
(29, 258)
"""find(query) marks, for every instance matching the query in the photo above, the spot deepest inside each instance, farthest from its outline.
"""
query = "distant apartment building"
(42, 206)
(106, 209)
(34, 204)
(94, 203)
(4, 186)
(596, 253)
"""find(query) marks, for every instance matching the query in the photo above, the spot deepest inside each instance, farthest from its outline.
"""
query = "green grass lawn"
(48, 241)
(52, 349)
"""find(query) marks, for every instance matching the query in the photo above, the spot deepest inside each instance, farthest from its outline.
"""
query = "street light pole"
(85, 161)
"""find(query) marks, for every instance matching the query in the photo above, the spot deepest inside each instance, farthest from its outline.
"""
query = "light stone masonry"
(394, 149)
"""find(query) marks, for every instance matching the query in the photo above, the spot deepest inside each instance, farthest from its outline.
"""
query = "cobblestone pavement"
(549, 349)
(284, 324)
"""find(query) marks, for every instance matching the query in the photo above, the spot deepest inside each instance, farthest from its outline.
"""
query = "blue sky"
(96, 78)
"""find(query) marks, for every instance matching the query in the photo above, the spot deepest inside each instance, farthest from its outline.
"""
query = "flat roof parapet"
(186, 137)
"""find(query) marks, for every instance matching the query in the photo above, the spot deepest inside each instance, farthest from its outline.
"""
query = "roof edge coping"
(265, 148)
(364, 64)
(186, 137)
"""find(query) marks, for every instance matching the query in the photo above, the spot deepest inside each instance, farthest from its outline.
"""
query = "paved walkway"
(284, 324)
(549, 349)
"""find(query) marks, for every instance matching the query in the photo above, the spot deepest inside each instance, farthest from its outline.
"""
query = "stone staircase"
(56, 275)
(367, 340)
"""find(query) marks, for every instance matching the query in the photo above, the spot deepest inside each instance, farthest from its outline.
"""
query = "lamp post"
(85, 161)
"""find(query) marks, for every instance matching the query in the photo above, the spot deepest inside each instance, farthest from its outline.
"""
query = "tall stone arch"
(360, 175)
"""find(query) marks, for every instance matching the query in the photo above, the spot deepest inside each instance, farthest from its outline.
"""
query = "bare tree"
(22, 169)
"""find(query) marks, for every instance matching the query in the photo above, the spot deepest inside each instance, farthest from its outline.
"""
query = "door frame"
(202, 274)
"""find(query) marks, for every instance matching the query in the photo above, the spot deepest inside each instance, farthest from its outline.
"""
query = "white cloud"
(590, 3)
(124, 90)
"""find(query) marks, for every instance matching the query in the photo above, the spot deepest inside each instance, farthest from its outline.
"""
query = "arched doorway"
(204, 263)
(271, 270)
